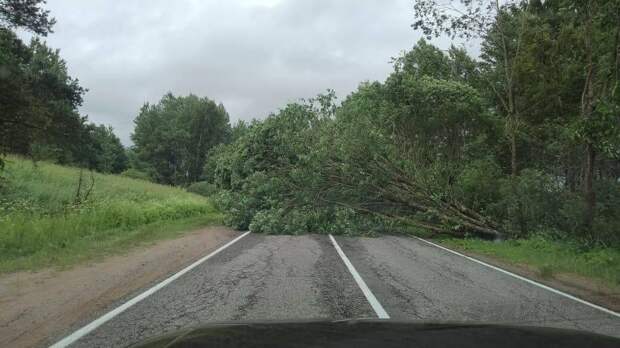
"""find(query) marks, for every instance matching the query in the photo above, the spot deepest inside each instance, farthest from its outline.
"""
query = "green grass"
(550, 257)
(41, 226)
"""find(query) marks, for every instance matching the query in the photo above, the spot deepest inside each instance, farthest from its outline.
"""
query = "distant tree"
(136, 164)
(424, 59)
(239, 129)
(597, 24)
(109, 153)
(493, 22)
(175, 135)
(15, 93)
(26, 14)
(501, 25)
(15, 86)
(38, 98)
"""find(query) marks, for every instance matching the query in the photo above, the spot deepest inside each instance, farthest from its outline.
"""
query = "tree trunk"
(587, 99)
(588, 189)
(514, 170)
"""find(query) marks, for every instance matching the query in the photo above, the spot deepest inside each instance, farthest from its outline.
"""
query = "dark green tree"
(175, 135)
(38, 97)
(109, 153)
(26, 14)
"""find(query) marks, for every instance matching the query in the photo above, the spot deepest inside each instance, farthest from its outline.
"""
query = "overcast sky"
(254, 56)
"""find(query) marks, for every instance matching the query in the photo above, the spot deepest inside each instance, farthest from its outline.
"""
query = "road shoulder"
(587, 289)
(37, 307)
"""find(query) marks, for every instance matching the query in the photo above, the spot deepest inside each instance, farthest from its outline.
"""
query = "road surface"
(304, 277)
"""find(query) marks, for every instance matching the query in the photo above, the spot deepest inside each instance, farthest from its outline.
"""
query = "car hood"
(377, 333)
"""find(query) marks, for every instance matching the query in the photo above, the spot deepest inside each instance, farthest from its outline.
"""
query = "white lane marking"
(370, 297)
(118, 310)
(603, 309)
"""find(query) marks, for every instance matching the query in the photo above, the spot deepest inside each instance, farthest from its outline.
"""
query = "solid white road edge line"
(374, 303)
(603, 309)
(118, 310)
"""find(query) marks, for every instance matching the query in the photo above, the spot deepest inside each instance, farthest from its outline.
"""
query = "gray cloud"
(254, 56)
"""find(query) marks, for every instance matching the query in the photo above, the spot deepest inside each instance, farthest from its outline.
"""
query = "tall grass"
(41, 225)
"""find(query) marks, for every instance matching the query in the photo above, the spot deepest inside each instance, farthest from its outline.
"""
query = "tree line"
(39, 115)
(523, 139)
(39, 99)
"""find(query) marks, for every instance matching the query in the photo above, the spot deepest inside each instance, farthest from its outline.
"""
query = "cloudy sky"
(254, 56)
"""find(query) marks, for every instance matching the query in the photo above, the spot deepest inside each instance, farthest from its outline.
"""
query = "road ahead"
(304, 277)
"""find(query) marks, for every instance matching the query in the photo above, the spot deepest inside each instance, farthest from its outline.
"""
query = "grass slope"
(41, 226)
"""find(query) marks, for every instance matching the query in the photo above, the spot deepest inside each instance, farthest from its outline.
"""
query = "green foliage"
(254, 168)
(39, 101)
(425, 150)
(550, 71)
(446, 144)
(136, 174)
(108, 154)
(315, 167)
(38, 98)
(100, 150)
(239, 129)
(479, 183)
(607, 219)
(202, 188)
(174, 136)
(28, 15)
(533, 199)
(343, 221)
(40, 221)
(267, 176)
(240, 209)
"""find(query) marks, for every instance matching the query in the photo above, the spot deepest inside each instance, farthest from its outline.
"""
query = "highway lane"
(415, 280)
(258, 278)
(303, 277)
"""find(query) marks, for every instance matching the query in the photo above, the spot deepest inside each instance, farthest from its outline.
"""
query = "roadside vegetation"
(59, 202)
(550, 257)
(47, 219)
(520, 144)
(523, 138)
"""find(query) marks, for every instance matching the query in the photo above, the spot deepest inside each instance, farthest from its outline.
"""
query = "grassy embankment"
(550, 258)
(41, 226)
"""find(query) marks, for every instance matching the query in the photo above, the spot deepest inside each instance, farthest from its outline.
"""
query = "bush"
(136, 174)
(532, 201)
(479, 184)
(607, 221)
(240, 209)
(203, 188)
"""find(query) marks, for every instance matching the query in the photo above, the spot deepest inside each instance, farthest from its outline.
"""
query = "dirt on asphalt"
(37, 308)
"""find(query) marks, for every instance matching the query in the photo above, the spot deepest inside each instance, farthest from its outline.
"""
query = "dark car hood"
(377, 333)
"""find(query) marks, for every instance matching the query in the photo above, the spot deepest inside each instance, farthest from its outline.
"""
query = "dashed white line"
(118, 310)
(370, 297)
(603, 309)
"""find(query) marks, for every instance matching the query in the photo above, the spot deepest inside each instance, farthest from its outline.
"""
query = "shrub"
(239, 208)
(202, 188)
(607, 221)
(479, 183)
(136, 174)
(532, 201)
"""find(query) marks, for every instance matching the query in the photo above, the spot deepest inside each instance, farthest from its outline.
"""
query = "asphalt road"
(303, 277)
